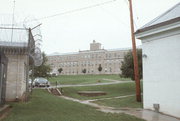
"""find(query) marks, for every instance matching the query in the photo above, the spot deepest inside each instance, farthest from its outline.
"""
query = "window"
(105, 69)
(110, 70)
(106, 55)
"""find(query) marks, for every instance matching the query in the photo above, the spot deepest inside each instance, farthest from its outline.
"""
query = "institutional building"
(88, 61)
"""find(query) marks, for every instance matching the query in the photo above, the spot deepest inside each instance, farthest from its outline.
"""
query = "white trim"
(160, 16)
(158, 30)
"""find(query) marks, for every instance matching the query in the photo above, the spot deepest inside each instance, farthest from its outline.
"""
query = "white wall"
(16, 76)
(161, 71)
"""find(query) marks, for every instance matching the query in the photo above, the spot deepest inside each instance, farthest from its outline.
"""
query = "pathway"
(140, 113)
(96, 84)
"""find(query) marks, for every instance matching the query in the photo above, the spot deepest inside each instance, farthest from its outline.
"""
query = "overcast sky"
(107, 24)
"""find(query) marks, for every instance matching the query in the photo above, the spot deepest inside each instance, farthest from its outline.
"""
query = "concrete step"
(55, 91)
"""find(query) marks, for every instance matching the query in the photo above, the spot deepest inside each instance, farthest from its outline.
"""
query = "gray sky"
(107, 24)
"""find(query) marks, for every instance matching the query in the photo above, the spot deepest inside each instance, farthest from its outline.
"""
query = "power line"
(115, 17)
(126, 2)
(135, 23)
(76, 10)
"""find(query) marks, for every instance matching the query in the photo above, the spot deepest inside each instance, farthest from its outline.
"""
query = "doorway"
(3, 76)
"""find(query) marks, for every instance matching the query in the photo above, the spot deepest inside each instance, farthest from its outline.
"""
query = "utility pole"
(135, 59)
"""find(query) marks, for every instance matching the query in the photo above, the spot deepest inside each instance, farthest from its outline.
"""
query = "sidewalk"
(96, 84)
(147, 115)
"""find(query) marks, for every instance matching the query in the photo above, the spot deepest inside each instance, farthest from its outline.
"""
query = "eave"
(158, 28)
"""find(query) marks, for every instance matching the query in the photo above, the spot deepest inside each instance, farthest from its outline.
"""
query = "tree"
(99, 68)
(127, 67)
(43, 70)
(84, 71)
(60, 70)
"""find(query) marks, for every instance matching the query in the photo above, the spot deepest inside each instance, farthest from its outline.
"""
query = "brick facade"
(74, 63)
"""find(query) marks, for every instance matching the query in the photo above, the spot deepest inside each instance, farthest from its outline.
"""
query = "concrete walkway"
(110, 98)
(140, 113)
(96, 84)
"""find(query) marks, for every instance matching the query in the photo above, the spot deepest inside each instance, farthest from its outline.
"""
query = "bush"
(84, 71)
(60, 70)
(99, 68)
(127, 67)
(43, 70)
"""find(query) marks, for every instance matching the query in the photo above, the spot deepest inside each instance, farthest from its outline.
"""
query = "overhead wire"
(76, 10)
(115, 17)
(135, 23)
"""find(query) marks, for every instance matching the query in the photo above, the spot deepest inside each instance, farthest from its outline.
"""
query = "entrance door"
(1, 82)
(3, 72)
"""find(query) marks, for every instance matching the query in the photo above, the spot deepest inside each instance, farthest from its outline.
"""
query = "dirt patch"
(5, 111)
(91, 93)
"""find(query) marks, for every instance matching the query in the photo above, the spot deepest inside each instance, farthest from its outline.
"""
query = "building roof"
(13, 37)
(62, 54)
(88, 51)
(119, 49)
(13, 44)
(170, 16)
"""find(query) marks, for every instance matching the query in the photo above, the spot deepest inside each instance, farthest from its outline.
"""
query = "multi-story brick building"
(88, 60)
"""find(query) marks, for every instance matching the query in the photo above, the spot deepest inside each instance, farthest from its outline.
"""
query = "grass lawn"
(111, 90)
(46, 107)
(127, 102)
(83, 79)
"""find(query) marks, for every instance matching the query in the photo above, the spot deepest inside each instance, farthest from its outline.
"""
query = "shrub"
(127, 67)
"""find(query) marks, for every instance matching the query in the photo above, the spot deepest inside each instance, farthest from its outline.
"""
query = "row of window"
(89, 71)
(86, 63)
(93, 56)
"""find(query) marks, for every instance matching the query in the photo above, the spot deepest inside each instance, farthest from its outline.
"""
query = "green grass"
(46, 107)
(127, 102)
(111, 90)
(83, 79)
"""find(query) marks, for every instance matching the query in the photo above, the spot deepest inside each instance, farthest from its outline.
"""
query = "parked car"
(41, 82)
(29, 82)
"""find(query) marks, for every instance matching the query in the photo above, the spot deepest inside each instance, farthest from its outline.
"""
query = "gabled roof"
(170, 16)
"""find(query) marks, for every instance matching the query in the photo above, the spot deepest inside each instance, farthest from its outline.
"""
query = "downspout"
(27, 78)
(17, 77)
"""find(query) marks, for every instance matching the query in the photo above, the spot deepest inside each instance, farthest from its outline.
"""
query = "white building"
(161, 62)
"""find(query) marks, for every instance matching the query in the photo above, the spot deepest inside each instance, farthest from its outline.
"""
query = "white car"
(29, 82)
(41, 82)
